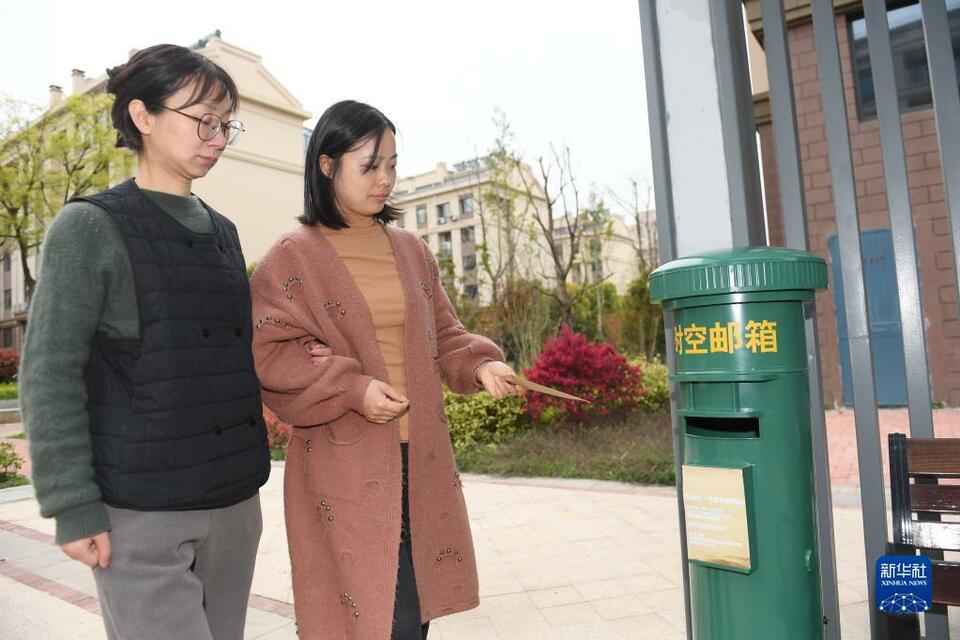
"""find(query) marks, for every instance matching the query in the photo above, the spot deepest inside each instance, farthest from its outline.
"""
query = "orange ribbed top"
(369, 258)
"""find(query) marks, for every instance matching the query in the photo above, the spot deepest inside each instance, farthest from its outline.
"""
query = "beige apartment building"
(608, 253)
(258, 183)
(449, 208)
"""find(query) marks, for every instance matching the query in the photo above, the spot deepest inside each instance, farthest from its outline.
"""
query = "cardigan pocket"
(349, 429)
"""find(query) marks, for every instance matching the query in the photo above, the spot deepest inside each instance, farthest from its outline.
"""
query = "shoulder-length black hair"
(342, 127)
(154, 74)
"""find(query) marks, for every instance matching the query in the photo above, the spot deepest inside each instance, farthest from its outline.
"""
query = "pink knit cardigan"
(342, 483)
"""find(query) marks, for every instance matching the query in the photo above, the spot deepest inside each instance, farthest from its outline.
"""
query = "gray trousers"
(181, 575)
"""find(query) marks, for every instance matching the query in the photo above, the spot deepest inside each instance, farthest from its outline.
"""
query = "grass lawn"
(639, 449)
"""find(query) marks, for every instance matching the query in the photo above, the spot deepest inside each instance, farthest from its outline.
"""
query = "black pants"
(406, 609)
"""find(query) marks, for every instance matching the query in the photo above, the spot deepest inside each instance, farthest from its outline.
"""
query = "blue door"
(886, 339)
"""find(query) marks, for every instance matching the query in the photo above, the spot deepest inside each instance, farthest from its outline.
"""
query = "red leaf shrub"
(9, 364)
(278, 432)
(591, 370)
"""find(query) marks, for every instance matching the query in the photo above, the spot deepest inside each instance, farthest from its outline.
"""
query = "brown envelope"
(539, 388)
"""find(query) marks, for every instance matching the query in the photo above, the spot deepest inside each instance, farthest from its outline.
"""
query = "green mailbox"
(743, 406)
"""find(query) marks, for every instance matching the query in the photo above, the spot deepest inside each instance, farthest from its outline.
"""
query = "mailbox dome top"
(738, 270)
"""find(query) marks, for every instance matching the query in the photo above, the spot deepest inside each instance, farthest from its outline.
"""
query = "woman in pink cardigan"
(354, 339)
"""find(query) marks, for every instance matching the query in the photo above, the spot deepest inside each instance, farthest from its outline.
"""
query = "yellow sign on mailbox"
(715, 506)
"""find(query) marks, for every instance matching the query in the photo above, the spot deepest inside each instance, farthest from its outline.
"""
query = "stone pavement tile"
(288, 632)
(591, 631)
(524, 540)
(65, 568)
(29, 614)
(34, 556)
(513, 615)
(542, 573)
(621, 607)
(459, 628)
(646, 627)
(855, 622)
(669, 605)
(535, 635)
(499, 585)
(648, 583)
(261, 623)
(571, 614)
(554, 597)
(82, 582)
(852, 591)
(599, 589)
(18, 548)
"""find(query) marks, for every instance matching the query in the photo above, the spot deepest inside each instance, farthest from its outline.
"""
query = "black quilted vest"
(175, 416)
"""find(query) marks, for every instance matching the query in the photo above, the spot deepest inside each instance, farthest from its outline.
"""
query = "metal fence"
(727, 25)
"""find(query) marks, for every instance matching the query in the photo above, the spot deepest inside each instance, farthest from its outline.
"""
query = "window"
(443, 213)
(468, 235)
(470, 262)
(7, 337)
(446, 243)
(470, 290)
(466, 206)
(421, 216)
(909, 57)
(6, 263)
(7, 299)
(597, 269)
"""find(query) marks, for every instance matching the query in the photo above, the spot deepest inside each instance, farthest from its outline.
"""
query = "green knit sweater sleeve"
(84, 278)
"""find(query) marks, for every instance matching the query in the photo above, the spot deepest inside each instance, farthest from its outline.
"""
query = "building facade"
(935, 257)
(451, 211)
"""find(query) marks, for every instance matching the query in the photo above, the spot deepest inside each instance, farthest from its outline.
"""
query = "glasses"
(209, 125)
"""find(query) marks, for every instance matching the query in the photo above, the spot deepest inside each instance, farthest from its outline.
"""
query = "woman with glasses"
(354, 339)
(138, 388)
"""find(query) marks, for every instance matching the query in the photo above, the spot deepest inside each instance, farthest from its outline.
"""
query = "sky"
(566, 73)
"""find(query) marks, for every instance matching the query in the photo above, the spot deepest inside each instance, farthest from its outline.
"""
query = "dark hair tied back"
(154, 74)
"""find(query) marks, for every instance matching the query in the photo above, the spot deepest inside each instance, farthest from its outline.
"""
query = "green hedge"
(479, 419)
(657, 383)
(9, 391)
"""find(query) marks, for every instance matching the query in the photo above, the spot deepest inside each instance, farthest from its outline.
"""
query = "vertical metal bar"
(873, 502)
(666, 234)
(900, 490)
(795, 223)
(739, 131)
(904, 245)
(901, 223)
(906, 625)
(946, 105)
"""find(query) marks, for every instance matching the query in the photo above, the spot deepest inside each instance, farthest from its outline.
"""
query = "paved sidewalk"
(559, 559)
(576, 560)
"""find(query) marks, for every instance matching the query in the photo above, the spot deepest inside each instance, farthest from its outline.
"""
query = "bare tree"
(644, 217)
(503, 231)
(643, 320)
(561, 223)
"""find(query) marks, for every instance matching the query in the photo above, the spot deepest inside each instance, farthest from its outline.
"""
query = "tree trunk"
(29, 283)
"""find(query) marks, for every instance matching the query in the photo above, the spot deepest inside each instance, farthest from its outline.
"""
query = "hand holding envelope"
(539, 388)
